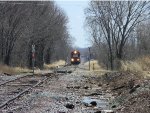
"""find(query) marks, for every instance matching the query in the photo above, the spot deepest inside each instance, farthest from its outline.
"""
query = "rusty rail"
(14, 79)
(21, 93)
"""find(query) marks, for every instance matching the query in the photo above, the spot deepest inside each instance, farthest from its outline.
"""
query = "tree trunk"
(7, 59)
(39, 60)
(48, 56)
(111, 56)
(29, 58)
(111, 59)
(119, 55)
(120, 52)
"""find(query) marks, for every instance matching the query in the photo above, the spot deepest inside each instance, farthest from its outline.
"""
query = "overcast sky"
(75, 12)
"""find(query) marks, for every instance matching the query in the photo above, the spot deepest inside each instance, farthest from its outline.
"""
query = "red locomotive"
(75, 57)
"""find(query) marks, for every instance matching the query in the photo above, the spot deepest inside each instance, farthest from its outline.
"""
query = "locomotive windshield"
(75, 55)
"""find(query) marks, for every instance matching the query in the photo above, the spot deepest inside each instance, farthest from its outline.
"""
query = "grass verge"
(54, 64)
(12, 70)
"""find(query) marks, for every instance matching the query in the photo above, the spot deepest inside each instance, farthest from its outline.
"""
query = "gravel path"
(65, 93)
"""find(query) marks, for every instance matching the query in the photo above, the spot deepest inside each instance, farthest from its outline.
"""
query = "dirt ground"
(131, 91)
(86, 91)
(77, 92)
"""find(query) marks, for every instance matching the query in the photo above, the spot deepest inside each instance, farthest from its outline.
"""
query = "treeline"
(23, 23)
(119, 30)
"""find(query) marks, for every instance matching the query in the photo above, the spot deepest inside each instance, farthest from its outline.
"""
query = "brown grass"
(140, 65)
(132, 66)
(54, 65)
(94, 65)
(144, 62)
(12, 70)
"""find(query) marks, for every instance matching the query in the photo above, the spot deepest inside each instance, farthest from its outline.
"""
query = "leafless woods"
(118, 29)
(25, 23)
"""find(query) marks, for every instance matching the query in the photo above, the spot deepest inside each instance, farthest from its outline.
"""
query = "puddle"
(33, 81)
(53, 96)
(100, 103)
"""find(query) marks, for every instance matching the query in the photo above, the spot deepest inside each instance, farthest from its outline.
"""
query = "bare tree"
(24, 23)
(116, 20)
(12, 23)
(143, 38)
(127, 15)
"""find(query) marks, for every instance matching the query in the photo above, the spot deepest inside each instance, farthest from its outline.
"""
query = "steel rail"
(14, 79)
(21, 93)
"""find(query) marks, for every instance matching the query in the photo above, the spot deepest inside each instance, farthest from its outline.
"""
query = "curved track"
(11, 80)
(12, 89)
(66, 69)
(47, 93)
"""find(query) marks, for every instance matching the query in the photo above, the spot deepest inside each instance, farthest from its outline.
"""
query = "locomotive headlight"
(75, 52)
(78, 59)
(72, 59)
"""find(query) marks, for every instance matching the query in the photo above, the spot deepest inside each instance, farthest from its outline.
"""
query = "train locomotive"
(75, 57)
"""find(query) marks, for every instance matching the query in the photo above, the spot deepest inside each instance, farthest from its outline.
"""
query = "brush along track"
(66, 69)
(13, 89)
(11, 80)
(61, 90)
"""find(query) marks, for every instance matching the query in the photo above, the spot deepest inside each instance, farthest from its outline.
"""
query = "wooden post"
(89, 57)
(33, 57)
(93, 67)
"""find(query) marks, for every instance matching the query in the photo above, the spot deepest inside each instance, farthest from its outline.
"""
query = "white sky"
(75, 12)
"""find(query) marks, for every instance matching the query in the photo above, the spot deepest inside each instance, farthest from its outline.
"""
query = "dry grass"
(12, 70)
(141, 65)
(54, 65)
(144, 62)
(94, 65)
(132, 66)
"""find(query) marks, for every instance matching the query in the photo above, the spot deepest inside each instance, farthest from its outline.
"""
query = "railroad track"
(7, 81)
(66, 69)
(12, 89)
